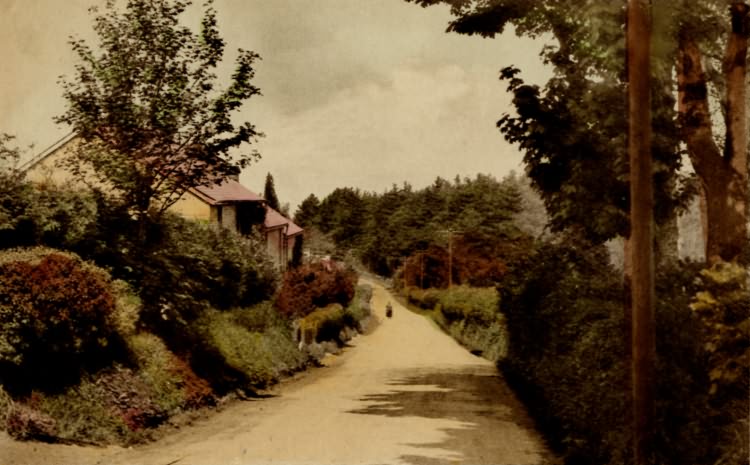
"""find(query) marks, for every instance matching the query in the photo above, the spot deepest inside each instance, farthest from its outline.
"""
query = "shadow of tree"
(496, 428)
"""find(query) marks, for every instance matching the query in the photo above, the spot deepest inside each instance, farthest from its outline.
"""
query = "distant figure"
(388, 310)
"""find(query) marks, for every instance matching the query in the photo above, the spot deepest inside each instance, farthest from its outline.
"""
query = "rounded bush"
(56, 314)
(315, 285)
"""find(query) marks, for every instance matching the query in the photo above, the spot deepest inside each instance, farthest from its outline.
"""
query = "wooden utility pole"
(450, 259)
(421, 270)
(641, 229)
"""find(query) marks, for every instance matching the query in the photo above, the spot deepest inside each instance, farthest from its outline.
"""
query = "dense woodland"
(474, 221)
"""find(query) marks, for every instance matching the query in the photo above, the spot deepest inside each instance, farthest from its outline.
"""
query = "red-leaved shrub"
(55, 313)
(315, 285)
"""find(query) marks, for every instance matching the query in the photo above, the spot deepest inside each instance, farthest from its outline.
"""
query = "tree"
(342, 215)
(307, 212)
(14, 191)
(572, 131)
(145, 106)
(297, 252)
(269, 193)
(723, 173)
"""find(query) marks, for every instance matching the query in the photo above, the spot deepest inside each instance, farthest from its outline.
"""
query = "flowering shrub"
(315, 286)
(55, 313)
(26, 423)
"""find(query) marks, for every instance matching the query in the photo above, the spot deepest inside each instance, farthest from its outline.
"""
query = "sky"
(360, 93)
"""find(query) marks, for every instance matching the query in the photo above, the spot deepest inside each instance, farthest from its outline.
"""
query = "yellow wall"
(192, 207)
(275, 244)
(48, 170)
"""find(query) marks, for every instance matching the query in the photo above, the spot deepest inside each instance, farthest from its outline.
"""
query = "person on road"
(388, 310)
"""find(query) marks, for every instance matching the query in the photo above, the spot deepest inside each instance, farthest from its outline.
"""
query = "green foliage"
(359, 308)
(6, 405)
(315, 285)
(473, 304)
(184, 268)
(145, 107)
(307, 212)
(567, 348)
(468, 314)
(269, 193)
(723, 306)
(325, 323)
(57, 317)
(342, 214)
(85, 413)
(13, 188)
(39, 214)
(172, 384)
(572, 131)
(297, 252)
(256, 358)
(385, 228)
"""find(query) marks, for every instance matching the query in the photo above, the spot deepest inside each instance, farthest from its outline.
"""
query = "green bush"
(468, 314)
(231, 353)
(359, 308)
(192, 267)
(325, 323)
(564, 308)
(85, 413)
(56, 317)
(171, 382)
(723, 306)
(6, 404)
(477, 305)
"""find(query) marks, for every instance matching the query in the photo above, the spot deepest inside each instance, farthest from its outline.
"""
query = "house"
(232, 205)
(228, 204)
(281, 235)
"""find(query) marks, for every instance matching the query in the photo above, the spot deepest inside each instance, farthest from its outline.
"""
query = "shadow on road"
(479, 399)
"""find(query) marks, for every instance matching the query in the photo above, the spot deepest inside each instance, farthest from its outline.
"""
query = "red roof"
(275, 219)
(228, 191)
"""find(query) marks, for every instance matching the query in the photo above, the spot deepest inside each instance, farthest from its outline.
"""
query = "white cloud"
(419, 124)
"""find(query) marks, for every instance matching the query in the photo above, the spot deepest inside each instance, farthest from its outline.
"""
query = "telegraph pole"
(421, 270)
(641, 229)
(450, 259)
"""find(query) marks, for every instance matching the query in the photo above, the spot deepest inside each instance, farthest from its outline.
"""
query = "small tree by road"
(146, 107)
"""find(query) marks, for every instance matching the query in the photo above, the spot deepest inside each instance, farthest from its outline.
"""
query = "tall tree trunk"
(724, 176)
(641, 229)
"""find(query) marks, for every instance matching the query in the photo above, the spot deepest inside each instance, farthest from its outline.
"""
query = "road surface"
(404, 394)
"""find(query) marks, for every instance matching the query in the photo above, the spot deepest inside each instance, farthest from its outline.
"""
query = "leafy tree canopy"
(573, 130)
(384, 228)
(307, 212)
(146, 107)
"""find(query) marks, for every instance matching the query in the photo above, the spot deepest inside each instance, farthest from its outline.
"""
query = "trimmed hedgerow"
(334, 321)
(469, 314)
(568, 355)
(56, 317)
(232, 353)
(315, 285)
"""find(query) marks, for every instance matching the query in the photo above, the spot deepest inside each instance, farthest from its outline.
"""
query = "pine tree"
(269, 193)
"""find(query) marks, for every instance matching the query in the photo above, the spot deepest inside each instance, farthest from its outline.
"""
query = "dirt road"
(405, 394)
